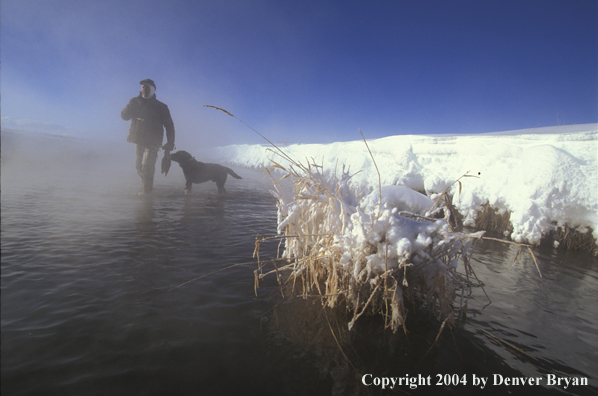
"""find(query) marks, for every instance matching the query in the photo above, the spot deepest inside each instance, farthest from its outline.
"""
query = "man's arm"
(131, 109)
(169, 126)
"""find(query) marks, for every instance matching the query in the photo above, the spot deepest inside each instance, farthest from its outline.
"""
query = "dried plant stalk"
(341, 255)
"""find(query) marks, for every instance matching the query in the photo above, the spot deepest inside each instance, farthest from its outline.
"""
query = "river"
(106, 292)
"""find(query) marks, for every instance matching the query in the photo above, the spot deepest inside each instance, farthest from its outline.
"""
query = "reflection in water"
(146, 247)
(533, 327)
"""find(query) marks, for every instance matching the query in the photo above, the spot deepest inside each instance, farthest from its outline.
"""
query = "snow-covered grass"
(545, 178)
(370, 255)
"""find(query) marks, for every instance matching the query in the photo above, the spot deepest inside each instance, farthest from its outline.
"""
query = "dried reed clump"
(367, 261)
(490, 219)
(565, 237)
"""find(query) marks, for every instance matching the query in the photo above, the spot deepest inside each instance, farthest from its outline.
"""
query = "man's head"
(148, 87)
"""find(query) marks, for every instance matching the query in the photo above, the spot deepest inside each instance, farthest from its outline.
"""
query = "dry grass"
(491, 220)
(573, 239)
(316, 218)
(497, 222)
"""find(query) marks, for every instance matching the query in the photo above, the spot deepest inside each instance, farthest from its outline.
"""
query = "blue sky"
(303, 71)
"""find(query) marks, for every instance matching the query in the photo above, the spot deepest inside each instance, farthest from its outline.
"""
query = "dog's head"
(181, 156)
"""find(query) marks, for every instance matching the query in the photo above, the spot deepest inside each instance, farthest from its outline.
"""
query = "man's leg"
(139, 152)
(150, 156)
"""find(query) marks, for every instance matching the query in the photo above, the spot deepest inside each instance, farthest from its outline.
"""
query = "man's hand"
(168, 146)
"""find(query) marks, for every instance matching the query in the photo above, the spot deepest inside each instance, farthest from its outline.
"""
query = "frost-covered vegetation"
(373, 254)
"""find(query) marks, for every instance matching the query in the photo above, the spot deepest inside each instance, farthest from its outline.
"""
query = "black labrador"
(199, 172)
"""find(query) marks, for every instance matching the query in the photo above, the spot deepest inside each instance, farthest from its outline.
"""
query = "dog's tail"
(232, 173)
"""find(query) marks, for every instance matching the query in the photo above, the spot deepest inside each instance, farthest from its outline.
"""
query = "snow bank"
(544, 176)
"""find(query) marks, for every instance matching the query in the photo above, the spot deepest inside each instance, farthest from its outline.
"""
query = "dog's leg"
(221, 189)
(188, 187)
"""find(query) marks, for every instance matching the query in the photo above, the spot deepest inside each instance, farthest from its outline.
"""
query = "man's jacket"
(148, 118)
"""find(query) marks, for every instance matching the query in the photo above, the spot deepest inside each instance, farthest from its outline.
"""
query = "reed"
(498, 222)
(493, 221)
(367, 262)
(569, 238)
(564, 237)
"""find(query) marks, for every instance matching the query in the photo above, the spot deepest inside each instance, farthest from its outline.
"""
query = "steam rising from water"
(71, 164)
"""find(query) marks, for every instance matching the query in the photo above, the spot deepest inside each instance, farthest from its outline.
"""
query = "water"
(95, 300)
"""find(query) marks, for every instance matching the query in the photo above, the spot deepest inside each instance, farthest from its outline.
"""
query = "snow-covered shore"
(545, 177)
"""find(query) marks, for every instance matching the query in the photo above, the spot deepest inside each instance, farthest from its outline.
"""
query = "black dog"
(199, 172)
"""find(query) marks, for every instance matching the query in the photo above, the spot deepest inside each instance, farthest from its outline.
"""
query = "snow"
(400, 197)
(545, 177)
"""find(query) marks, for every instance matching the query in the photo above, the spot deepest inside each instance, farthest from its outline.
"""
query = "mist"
(71, 165)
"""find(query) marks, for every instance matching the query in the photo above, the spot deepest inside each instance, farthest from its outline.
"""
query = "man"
(149, 117)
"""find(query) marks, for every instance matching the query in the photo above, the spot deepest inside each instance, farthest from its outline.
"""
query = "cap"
(148, 81)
